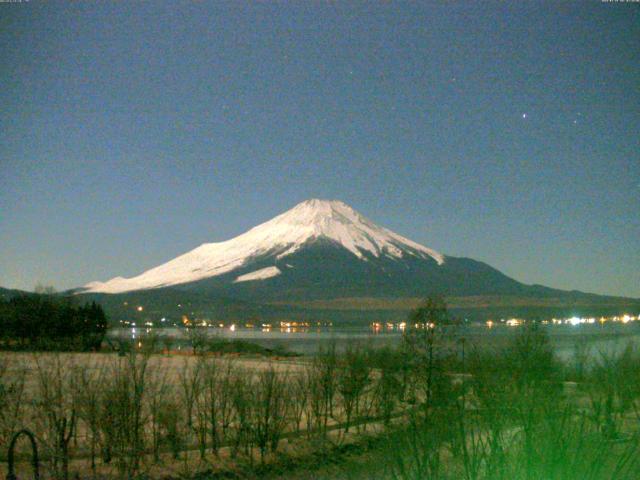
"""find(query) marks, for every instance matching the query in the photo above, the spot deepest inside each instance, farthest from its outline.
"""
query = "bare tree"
(298, 399)
(388, 389)
(270, 404)
(224, 402)
(321, 383)
(122, 412)
(58, 408)
(167, 342)
(170, 423)
(423, 340)
(90, 381)
(159, 395)
(211, 401)
(241, 394)
(202, 412)
(197, 337)
(352, 378)
(12, 390)
(190, 380)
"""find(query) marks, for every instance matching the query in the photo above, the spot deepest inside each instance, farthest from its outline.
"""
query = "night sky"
(133, 132)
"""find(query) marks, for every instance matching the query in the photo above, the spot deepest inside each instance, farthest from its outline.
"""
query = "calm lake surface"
(566, 339)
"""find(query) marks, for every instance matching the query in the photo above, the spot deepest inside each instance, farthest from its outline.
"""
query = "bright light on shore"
(574, 321)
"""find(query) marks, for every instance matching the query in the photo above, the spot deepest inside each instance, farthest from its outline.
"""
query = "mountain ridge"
(279, 237)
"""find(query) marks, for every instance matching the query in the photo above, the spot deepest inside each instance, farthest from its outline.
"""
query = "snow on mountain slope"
(281, 236)
(261, 274)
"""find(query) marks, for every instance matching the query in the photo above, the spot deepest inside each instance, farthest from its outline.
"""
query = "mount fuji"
(321, 256)
(308, 223)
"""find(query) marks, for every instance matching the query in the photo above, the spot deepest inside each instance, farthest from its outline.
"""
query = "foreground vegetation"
(434, 407)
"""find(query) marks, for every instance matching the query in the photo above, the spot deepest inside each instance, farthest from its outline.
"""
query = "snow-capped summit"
(337, 221)
(279, 237)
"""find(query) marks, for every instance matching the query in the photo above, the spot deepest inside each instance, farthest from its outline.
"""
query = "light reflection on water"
(607, 339)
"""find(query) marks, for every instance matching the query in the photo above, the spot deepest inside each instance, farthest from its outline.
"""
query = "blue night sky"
(132, 132)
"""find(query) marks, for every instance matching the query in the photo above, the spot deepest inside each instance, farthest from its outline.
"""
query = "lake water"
(596, 339)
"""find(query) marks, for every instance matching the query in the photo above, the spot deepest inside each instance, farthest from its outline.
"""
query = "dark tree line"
(50, 322)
